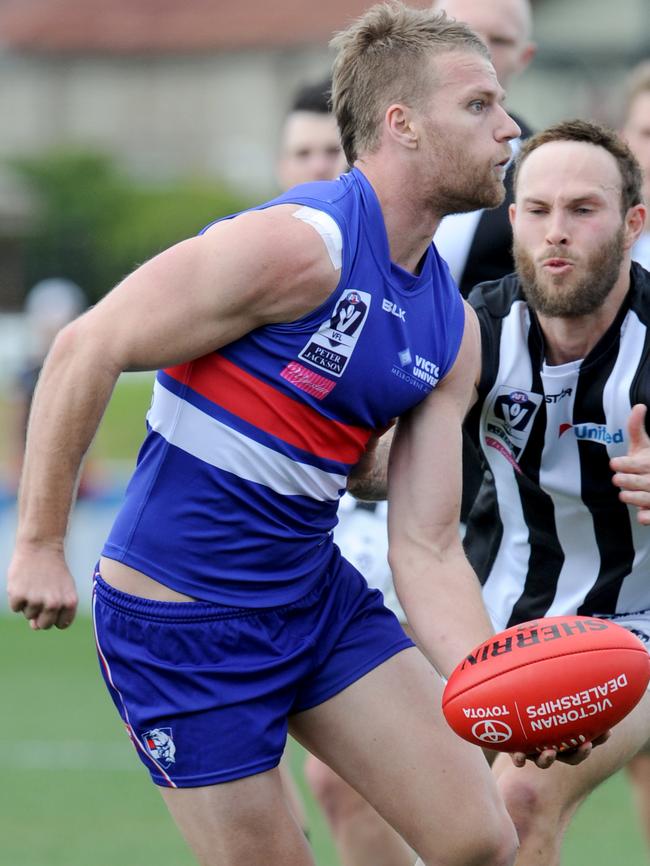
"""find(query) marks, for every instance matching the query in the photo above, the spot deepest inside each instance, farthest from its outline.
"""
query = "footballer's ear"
(526, 56)
(512, 212)
(400, 125)
(634, 223)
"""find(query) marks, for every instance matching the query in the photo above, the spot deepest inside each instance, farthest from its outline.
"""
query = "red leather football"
(550, 683)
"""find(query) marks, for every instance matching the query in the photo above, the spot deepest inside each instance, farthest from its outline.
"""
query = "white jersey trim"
(211, 441)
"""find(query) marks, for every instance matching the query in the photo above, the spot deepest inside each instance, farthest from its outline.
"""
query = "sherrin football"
(554, 682)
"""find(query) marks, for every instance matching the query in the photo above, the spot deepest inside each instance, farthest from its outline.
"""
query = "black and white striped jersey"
(548, 534)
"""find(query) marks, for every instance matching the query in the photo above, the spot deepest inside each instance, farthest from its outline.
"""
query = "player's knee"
(496, 845)
(492, 842)
(525, 801)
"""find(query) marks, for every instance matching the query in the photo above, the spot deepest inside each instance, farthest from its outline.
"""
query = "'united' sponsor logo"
(593, 433)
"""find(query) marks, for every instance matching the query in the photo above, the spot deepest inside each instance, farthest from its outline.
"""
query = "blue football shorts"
(205, 690)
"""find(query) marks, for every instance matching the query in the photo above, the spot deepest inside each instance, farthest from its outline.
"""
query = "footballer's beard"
(462, 191)
(576, 295)
(461, 187)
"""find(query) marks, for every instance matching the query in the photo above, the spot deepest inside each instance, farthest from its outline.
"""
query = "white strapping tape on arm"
(328, 229)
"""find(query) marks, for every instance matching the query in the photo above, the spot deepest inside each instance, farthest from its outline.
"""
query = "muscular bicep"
(209, 290)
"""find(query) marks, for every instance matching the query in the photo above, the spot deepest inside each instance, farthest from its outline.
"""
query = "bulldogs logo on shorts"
(159, 743)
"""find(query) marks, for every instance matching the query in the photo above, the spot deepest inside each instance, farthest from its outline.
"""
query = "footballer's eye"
(477, 105)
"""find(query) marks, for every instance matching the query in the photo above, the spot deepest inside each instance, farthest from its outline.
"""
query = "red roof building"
(137, 27)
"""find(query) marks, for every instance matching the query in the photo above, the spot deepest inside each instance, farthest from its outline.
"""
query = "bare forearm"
(444, 607)
(72, 394)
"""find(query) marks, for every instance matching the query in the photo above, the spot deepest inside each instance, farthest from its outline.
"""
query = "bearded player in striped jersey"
(562, 523)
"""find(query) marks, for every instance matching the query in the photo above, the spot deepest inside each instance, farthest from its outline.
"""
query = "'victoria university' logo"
(331, 347)
(419, 371)
(509, 421)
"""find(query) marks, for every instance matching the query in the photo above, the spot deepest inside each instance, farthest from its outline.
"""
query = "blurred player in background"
(562, 523)
(477, 246)
(223, 611)
(636, 131)
(50, 305)
(310, 143)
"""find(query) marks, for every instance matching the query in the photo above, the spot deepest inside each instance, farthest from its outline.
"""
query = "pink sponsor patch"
(493, 443)
(307, 380)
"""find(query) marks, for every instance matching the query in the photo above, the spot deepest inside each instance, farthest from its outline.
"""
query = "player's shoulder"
(495, 298)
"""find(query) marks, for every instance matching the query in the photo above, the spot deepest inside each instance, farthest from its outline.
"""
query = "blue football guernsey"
(235, 492)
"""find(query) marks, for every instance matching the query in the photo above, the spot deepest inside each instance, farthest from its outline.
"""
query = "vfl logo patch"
(509, 421)
(594, 433)
(331, 347)
(159, 743)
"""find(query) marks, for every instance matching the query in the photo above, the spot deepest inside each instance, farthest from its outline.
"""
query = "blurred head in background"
(504, 25)
(310, 144)
(636, 122)
(49, 305)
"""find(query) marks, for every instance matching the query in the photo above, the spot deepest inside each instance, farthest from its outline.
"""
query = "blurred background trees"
(93, 224)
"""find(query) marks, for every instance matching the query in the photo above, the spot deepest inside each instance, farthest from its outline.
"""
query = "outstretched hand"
(632, 471)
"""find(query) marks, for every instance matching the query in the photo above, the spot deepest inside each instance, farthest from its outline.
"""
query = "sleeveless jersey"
(236, 488)
(556, 539)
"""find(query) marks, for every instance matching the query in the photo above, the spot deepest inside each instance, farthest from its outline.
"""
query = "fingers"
(575, 756)
(40, 616)
(548, 757)
(634, 496)
(518, 759)
(633, 482)
(636, 429)
(637, 459)
(543, 759)
(635, 491)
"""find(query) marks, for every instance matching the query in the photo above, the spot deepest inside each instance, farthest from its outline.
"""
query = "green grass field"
(73, 792)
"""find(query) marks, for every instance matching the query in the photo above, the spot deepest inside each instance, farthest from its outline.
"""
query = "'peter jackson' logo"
(331, 347)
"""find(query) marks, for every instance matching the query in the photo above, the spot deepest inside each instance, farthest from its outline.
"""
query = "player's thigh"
(244, 821)
(386, 736)
(561, 788)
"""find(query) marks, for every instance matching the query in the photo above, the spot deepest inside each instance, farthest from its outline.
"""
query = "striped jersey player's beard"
(579, 294)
